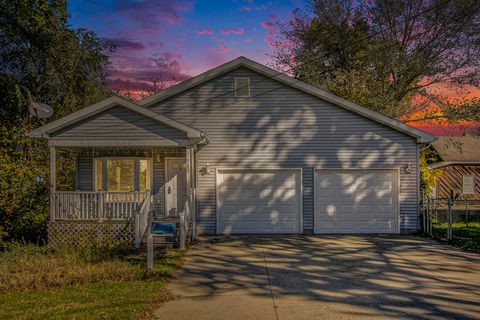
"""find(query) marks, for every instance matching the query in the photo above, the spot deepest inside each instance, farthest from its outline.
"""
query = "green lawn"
(465, 236)
(104, 300)
(55, 293)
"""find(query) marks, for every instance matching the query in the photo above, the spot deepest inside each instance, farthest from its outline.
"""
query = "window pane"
(468, 185)
(145, 183)
(98, 175)
(120, 175)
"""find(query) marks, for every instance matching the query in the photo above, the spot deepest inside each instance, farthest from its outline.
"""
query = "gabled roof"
(422, 137)
(458, 149)
(46, 130)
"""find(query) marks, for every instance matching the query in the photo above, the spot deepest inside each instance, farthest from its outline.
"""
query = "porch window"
(123, 174)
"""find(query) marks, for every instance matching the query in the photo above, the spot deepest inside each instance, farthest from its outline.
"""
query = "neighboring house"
(459, 160)
(242, 149)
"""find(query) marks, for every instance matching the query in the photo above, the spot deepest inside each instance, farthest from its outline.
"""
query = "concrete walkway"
(325, 277)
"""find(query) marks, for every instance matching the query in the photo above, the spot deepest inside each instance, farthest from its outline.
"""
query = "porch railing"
(142, 217)
(96, 205)
(184, 223)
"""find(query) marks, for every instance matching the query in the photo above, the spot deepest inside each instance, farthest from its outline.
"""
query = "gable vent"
(242, 87)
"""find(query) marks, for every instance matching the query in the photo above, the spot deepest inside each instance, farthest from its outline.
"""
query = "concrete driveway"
(325, 277)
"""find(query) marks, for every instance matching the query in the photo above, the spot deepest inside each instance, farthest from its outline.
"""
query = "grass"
(465, 236)
(46, 283)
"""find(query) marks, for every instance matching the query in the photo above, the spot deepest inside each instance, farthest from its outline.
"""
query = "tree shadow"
(281, 127)
(400, 277)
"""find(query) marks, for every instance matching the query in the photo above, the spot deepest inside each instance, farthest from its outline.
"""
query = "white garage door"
(258, 201)
(356, 201)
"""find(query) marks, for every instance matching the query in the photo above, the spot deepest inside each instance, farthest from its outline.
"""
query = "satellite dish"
(40, 110)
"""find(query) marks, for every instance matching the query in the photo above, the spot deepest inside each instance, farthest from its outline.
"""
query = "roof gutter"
(451, 163)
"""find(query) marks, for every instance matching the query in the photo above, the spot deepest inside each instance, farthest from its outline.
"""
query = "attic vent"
(242, 87)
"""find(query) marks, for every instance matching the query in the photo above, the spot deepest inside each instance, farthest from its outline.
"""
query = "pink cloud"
(273, 41)
(126, 45)
(247, 40)
(269, 39)
(250, 8)
(222, 48)
(163, 66)
(268, 25)
(236, 31)
(148, 14)
(202, 32)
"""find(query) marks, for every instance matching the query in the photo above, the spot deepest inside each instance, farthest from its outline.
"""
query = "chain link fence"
(452, 219)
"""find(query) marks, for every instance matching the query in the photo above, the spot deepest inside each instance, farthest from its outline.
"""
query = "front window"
(123, 174)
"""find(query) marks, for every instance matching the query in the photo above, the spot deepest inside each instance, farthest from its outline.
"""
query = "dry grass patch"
(48, 283)
(33, 268)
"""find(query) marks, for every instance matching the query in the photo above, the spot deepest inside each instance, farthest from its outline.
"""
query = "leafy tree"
(385, 55)
(428, 177)
(42, 59)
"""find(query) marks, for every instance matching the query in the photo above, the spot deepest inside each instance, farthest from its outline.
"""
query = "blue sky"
(174, 40)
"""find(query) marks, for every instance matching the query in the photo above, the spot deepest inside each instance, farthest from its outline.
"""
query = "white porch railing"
(142, 220)
(184, 223)
(96, 205)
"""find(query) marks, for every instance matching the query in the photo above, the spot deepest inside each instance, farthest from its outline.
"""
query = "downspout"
(194, 160)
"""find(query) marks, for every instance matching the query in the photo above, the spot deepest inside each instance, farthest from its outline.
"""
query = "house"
(459, 161)
(240, 149)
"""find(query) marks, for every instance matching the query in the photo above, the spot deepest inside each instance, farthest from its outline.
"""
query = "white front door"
(175, 185)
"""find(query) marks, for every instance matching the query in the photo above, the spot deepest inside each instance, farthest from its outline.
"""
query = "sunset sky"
(178, 39)
(171, 41)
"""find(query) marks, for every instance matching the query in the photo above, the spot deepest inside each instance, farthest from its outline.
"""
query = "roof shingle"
(458, 149)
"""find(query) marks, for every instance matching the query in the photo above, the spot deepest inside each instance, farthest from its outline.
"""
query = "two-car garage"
(270, 201)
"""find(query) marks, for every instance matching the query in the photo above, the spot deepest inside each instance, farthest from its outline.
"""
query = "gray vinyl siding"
(287, 128)
(85, 170)
(120, 123)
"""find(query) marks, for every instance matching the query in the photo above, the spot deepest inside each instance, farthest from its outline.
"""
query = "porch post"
(193, 171)
(189, 185)
(189, 171)
(53, 173)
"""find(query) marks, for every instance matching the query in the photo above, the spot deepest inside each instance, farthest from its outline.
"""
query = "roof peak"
(422, 137)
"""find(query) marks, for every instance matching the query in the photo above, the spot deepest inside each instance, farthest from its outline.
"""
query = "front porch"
(122, 173)
(130, 189)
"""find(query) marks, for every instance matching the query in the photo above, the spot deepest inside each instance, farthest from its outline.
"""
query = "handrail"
(185, 220)
(142, 219)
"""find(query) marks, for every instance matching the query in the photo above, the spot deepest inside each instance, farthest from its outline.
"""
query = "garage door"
(258, 201)
(356, 201)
